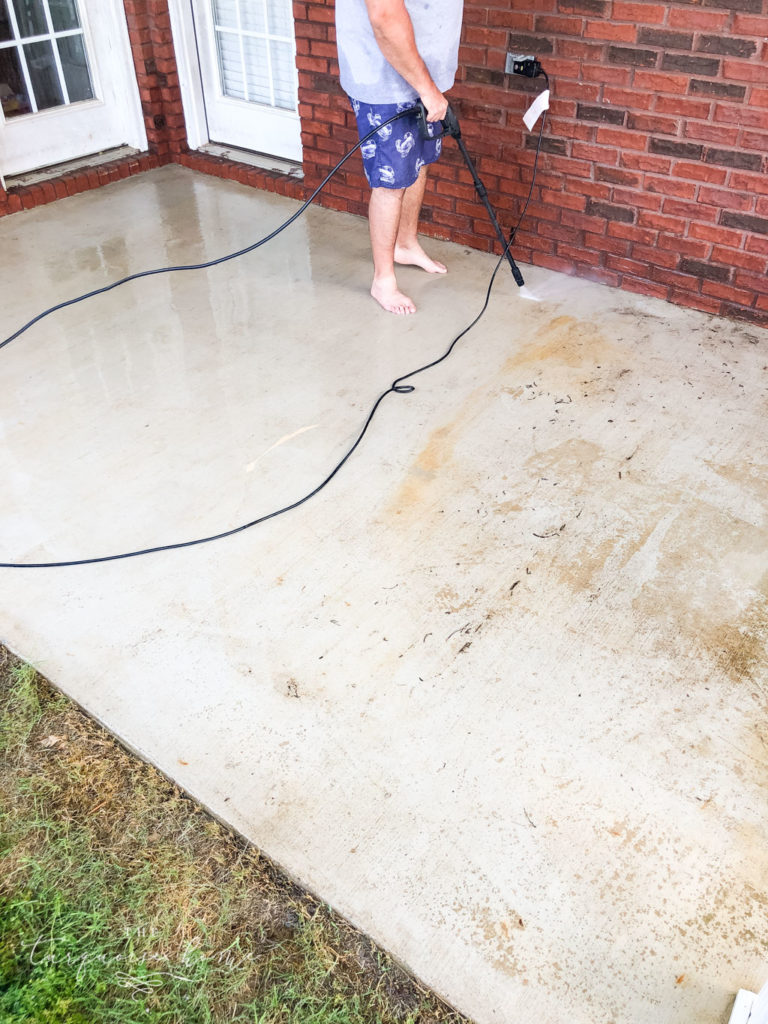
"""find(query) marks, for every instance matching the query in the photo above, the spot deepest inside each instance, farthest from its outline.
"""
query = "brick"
(610, 212)
(741, 115)
(683, 106)
(695, 211)
(734, 92)
(639, 13)
(606, 75)
(601, 154)
(736, 258)
(754, 140)
(584, 222)
(705, 270)
(657, 221)
(726, 291)
(637, 235)
(635, 58)
(585, 7)
(593, 189)
(745, 24)
(741, 71)
(644, 162)
(727, 45)
(670, 187)
(753, 183)
(611, 30)
(642, 287)
(648, 123)
(668, 147)
(548, 145)
(732, 158)
(655, 257)
(694, 301)
(752, 316)
(691, 65)
(558, 26)
(654, 81)
(615, 246)
(582, 51)
(605, 115)
(615, 176)
(625, 266)
(683, 246)
(665, 38)
(705, 132)
(636, 200)
(715, 233)
(756, 284)
(621, 139)
(629, 98)
(529, 44)
(706, 21)
(745, 222)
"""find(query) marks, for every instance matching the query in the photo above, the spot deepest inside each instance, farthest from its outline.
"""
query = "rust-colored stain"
(569, 342)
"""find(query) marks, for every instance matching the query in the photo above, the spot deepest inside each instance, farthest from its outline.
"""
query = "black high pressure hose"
(398, 386)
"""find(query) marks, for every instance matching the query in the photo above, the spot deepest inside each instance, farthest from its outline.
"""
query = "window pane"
(13, 91)
(283, 75)
(280, 18)
(64, 15)
(225, 13)
(253, 15)
(5, 23)
(257, 70)
(231, 66)
(43, 73)
(75, 67)
(30, 14)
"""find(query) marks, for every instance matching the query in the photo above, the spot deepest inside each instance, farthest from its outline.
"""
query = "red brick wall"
(653, 172)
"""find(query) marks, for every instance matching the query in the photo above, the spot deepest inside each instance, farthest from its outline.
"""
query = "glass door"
(247, 54)
(67, 85)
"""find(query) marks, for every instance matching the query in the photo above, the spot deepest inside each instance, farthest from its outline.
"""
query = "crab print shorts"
(393, 157)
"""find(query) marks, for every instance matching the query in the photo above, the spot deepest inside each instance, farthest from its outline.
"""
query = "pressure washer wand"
(450, 126)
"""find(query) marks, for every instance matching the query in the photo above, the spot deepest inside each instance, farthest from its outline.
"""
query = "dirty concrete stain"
(566, 341)
(436, 455)
(574, 459)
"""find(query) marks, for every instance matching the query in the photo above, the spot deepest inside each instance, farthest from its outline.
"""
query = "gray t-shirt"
(367, 76)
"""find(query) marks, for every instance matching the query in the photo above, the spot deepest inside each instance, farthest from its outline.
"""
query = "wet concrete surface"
(498, 694)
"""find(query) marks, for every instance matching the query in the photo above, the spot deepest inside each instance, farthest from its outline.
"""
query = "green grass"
(123, 901)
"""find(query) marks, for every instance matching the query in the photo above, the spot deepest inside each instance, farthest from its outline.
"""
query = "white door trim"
(191, 85)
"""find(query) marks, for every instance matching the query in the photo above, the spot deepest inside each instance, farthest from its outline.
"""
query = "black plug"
(523, 64)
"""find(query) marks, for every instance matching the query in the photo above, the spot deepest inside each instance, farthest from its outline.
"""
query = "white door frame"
(192, 100)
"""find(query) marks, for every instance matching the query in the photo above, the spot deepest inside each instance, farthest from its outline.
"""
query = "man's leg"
(407, 247)
(384, 212)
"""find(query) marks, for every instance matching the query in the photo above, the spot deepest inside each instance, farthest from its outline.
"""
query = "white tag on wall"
(536, 109)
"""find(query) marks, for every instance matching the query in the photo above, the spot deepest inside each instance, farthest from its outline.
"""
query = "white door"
(67, 82)
(247, 55)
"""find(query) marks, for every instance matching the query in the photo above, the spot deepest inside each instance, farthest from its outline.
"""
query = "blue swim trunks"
(393, 157)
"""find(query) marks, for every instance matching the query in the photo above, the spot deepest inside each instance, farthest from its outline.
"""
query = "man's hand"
(393, 29)
(436, 105)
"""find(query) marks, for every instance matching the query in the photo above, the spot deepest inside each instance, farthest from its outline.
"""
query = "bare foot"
(414, 256)
(389, 297)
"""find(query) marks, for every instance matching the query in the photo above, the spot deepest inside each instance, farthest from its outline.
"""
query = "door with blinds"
(67, 83)
(247, 55)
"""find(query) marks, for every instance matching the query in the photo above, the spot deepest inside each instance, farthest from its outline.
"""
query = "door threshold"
(247, 156)
(106, 156)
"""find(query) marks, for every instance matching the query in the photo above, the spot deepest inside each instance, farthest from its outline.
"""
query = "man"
(392, 52)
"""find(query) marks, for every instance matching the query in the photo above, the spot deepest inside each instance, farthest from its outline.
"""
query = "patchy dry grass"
(122, 901)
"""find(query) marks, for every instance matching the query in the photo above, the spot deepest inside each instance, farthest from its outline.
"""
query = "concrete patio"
(498, 694)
